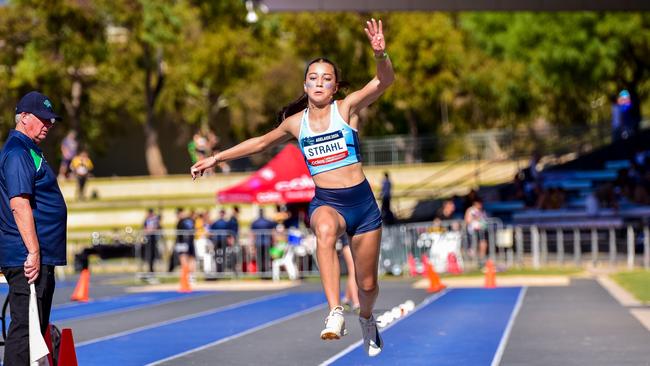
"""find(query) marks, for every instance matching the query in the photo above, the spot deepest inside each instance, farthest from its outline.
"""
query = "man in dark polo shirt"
(32, 221)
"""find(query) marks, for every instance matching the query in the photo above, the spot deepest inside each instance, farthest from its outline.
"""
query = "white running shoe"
(334, 325)
(372, 341)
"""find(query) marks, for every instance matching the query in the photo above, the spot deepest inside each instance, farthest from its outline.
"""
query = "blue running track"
(118, 303)
(462, 327)
(109, 305)
(175, 337)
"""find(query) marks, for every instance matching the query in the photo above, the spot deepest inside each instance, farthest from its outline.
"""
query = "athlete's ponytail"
(303, 101)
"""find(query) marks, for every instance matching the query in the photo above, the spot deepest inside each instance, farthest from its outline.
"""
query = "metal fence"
(450, 246)
(216, 253)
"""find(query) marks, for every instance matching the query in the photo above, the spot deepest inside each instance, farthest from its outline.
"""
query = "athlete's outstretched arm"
(249, 147)
(362, 98)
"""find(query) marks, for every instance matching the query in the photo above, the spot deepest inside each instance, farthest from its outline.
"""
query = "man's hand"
(32, 266)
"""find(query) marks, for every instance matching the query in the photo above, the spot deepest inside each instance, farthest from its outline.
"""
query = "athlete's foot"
(372, 341)
(334, 325)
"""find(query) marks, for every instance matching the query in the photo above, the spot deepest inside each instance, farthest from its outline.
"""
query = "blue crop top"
(336, 147)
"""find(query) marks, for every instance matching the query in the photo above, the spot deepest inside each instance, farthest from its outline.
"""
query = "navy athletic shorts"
(356, 204)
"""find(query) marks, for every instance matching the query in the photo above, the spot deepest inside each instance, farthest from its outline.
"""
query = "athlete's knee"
(325, 230)
(368, 285)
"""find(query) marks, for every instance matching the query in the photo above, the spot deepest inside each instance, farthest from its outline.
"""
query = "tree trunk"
(152, 154)
(413, 150)
(72, 105)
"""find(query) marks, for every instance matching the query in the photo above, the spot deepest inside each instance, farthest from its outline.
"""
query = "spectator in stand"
(82, 167)
(447, 211)
(476, 221)
(551, 199)
(261, 232)
(69, 147)
(469, 199)
(641, 159)
(607, 197)
(623, 185)
(625, 116)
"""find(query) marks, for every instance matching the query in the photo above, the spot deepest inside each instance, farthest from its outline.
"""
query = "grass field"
(636, 282)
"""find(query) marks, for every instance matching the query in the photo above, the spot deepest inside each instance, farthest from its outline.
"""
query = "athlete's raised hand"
(375, 32)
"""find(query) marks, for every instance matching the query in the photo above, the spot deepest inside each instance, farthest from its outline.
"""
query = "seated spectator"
(607, 197)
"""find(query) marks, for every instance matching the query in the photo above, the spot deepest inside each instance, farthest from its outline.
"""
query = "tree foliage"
(118, 65)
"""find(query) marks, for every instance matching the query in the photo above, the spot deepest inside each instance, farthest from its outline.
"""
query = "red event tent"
(284, 179)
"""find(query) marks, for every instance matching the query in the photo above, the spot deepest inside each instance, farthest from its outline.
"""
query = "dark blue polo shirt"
(24, 171)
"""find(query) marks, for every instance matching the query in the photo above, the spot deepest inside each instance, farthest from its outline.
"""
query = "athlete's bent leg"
(328, 226)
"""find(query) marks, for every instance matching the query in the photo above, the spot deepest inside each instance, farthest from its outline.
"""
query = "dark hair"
(302, 102)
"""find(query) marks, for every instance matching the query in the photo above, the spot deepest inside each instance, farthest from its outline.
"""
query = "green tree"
(571, 59)
(58, 52)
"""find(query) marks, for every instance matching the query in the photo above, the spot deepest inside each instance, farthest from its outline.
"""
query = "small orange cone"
(490, 274)
(67, 354)
(435, 284)
(185, 280)
(81, 290)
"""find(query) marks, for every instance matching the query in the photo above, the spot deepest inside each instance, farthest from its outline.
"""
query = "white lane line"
(351, 347)
(180, 319)
(504, 339)
(241, 334)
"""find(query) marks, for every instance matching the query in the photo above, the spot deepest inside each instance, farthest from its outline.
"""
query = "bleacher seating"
(579, 179)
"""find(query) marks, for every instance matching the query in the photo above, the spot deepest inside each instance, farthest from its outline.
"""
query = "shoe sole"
(330, 336)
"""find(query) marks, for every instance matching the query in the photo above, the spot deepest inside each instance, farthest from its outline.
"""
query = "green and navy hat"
(38, 105)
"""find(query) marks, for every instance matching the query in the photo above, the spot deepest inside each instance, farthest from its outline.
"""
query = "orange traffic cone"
(185, 279)
(435, 284)
(490, 274)
(81, 290)
(67, 354)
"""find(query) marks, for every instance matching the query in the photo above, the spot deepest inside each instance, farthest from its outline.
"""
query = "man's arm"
(23, 215)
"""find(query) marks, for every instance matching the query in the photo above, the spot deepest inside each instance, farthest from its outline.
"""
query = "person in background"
(386, 195)
(151, 234)
(221, 238)
(69, 147)
(233, 223)
(447, 211)
(476, 221)
(32, 222)
(81, 166)
(185, 240)
(261, 232)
